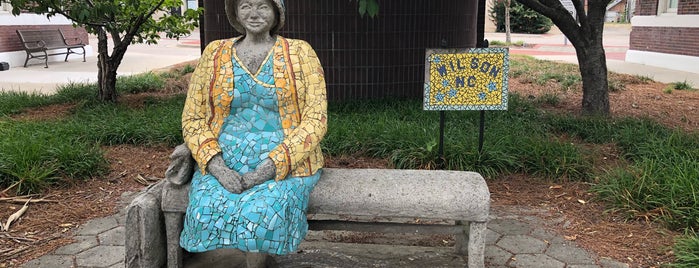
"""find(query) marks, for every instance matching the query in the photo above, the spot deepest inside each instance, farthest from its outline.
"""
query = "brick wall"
(646, 7)
(687, 7)
(9, 41)
(682, 41)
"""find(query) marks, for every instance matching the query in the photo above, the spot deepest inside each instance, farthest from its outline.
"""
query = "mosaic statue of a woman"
(253, 119)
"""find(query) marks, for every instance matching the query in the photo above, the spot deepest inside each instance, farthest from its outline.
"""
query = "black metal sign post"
(481, 130)
(442, 118)
(442, 160)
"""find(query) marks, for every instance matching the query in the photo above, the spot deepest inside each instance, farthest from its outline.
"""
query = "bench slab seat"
(459, 197)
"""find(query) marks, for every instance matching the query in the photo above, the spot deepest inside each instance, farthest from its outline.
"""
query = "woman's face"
(256, 16)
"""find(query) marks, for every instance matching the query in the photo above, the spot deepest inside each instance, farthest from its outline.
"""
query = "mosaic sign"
(466, 79)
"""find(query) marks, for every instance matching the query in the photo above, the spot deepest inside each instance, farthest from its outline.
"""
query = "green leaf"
(372, 8)
(362, 7)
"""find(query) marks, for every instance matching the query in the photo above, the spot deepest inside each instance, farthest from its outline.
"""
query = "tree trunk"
(508, 32)
(108, 65)
(586, 36)
(593, 69)
(107, 82)
(106, 71)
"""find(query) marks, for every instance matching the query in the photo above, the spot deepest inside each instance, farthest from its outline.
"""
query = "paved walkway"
(515, 237)
(553, 46)
(139, 58)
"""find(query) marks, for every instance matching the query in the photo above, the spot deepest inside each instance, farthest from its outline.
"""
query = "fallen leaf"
(556, 187)
(582, 201)
(65, 225)
(15, 216)
(570, 237)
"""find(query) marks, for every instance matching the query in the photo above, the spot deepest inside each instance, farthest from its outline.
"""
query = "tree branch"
(58, 10)
(554, 10)
(582, 14)
(142, 18)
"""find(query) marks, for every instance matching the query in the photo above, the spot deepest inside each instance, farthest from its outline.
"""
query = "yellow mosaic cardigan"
(302, 105)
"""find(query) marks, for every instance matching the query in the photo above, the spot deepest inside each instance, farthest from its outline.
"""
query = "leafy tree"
(522, 18)
(585, 35)
(124, 21)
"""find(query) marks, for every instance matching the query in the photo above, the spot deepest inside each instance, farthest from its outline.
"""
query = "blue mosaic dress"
(269, 217)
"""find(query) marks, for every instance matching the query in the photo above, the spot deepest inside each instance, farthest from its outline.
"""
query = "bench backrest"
(50, 37)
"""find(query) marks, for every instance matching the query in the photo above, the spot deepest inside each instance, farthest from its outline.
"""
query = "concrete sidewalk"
(553, 46)
(139, 58)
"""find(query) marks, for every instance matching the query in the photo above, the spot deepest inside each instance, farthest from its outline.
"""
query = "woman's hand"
(229, 179)
(265, 171)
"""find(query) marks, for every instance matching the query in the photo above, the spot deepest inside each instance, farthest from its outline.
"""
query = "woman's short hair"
(279, 11)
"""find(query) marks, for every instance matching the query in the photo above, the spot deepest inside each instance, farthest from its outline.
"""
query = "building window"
(671, 6)
(667, 7)
(5, 7)
(191, 4)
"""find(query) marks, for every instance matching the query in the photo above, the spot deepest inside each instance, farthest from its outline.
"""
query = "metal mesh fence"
(369, 58)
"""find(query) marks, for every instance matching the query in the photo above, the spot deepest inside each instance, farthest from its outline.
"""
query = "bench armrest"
(77, 41)
(34, 44)
(181, 166)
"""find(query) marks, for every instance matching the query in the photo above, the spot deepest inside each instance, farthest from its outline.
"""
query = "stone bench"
(459, 197)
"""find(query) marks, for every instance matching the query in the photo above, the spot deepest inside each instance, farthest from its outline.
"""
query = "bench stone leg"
(174, 204)
(471, 242)
(476, 245)
(174, 223)
(461, 239)
(144, 235)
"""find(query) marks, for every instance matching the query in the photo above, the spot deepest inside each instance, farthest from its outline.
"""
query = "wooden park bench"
(40, 44)
(446, 202)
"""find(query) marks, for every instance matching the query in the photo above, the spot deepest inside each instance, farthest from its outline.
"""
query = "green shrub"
(496, 43)
(75, 92)
(12, 102)
(687, 251)
(662, 189)
(551, 99)
(522, 18)
(682, 85)
(34, 155)
(146, 82)
(515, 141)
(642, 79)
(157, 122)
(188, 69)
(615, 85)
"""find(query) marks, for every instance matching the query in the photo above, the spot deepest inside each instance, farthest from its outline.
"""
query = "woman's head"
(232, 10)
